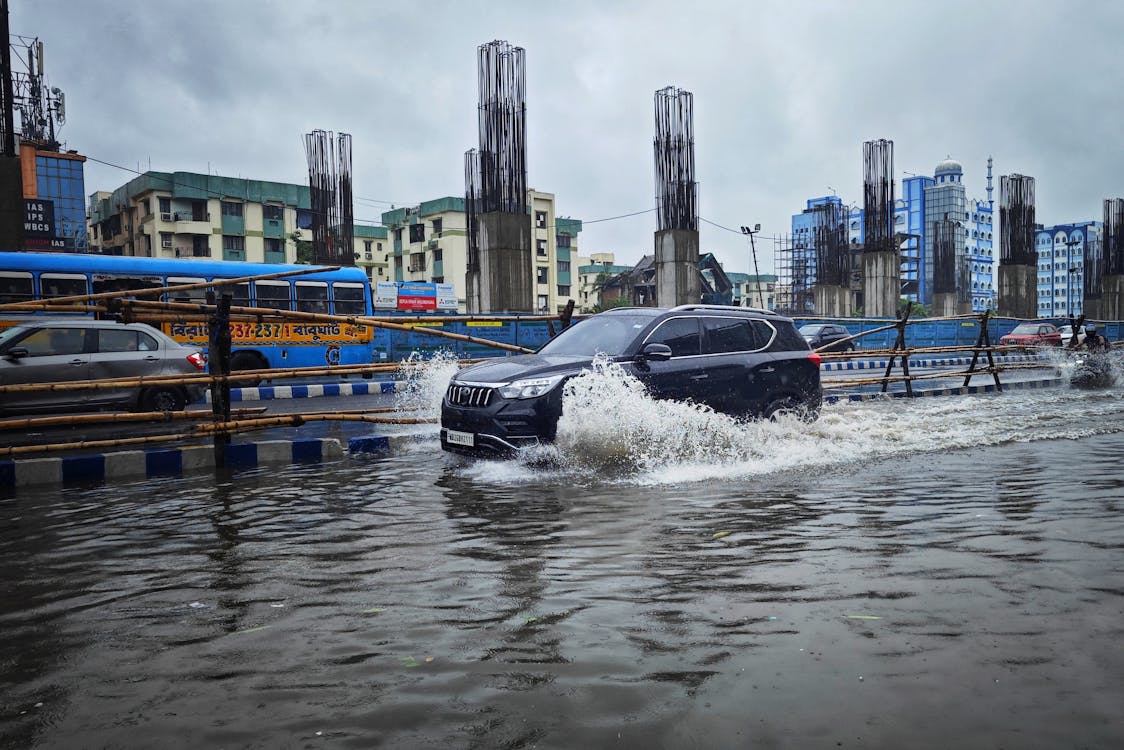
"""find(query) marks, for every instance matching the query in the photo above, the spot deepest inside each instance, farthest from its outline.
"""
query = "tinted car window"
(601, 334)
(811, 329)
(126, 341)
(728, 335)
(47, 342)
(788, 339)
(681, 334)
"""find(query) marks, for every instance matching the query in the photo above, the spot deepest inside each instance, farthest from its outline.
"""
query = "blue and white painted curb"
(174, 462)
(878, 364)
(960, 391)
(275, 392)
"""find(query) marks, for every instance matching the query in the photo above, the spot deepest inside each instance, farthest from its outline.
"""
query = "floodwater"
(935, 573)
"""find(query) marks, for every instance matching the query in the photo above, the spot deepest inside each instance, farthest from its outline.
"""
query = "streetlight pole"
(753, 254)
(1070, 270)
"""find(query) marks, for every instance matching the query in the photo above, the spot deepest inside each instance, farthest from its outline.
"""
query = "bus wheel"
(240, 361)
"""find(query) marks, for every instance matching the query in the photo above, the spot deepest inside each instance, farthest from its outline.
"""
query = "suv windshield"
(1026, 329)
(601, 334)
(811, 330)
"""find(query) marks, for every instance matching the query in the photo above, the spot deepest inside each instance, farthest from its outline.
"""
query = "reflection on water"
(897, 575)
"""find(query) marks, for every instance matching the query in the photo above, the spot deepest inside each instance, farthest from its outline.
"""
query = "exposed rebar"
(1016, 221)
(677, 193)
(878, 196)
(502, 80)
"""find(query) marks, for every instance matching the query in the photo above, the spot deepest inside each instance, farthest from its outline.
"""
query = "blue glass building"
(1061, 266)
(56, 181)
(923, 201)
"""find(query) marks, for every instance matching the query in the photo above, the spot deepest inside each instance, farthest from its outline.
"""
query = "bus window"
(197, 296)
(104, 282)
(239, 293)
(312, 296)
(15, 286)
(349, 298)
(273, 294)
(62, 285)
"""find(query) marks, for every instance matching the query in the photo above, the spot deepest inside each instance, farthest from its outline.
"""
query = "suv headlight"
(529, 388)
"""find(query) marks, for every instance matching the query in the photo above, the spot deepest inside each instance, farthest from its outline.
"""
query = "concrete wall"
(1018, 291)
(948, 303)
(831, 301)
(11, 204)
(881, 284)
(1112, 299)
(506, 266)
(677, 268)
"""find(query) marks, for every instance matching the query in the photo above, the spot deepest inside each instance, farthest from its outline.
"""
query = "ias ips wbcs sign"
(38, 218)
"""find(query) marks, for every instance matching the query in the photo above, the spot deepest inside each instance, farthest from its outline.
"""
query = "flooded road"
(939, 573)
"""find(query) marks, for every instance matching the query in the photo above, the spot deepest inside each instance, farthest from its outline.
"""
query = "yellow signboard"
(485, 323)
(242, 332)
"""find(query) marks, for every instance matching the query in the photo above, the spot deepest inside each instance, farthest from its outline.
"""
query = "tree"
(303, 247)
(618, 302)
(919, 310)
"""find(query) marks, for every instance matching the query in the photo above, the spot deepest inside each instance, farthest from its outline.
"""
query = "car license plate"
(460, 438)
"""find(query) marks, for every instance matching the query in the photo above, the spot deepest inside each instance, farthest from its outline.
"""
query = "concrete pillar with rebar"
(677, 238)
(1018, 259)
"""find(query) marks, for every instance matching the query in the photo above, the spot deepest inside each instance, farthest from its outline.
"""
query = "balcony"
(189, 252)
(188, 223)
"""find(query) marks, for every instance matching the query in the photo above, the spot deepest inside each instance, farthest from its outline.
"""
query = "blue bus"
(41, 276)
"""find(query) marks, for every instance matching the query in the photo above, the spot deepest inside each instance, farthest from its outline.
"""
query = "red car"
(1033, 334)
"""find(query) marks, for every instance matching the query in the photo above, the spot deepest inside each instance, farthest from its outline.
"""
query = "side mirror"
(17, 352)
(656, 353)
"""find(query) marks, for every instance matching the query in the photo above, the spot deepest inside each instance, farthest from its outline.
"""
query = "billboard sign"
(38, 218)
(386, 295)
(415, 296)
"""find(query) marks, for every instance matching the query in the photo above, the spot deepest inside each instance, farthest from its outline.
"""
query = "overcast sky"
(785, 94)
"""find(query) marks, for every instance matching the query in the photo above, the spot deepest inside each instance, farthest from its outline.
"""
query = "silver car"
(63, 350)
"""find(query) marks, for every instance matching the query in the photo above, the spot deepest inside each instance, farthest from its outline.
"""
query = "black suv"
(820, 335)
(741, 362)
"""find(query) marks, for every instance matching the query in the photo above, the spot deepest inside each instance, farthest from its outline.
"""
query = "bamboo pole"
(841, 383)
(154, 290)
(75, 420)
(356, 320)
(201, 378)
(206, 430)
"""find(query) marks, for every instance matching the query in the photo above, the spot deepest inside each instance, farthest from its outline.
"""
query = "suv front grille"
(468, 395)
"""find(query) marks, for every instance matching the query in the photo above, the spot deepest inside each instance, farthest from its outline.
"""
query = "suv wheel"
(163, 399)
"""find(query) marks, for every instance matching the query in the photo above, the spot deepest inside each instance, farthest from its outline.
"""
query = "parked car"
(64, 350)
(1032, 334)
(741, 362)
(820, 335)
(1066, 332)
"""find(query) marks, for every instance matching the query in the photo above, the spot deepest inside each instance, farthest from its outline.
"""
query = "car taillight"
(816, 358)
(196, 359)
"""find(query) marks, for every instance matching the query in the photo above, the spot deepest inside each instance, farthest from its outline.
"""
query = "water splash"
(425, 381)
(612, 430)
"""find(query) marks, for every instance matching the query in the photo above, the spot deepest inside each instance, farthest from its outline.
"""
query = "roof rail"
(725, 308)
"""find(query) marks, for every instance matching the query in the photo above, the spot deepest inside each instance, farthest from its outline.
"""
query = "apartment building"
(429, 242)
(190, 215)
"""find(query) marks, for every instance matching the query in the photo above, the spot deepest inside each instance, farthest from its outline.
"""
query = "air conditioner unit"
(165, 216)
(166, 242)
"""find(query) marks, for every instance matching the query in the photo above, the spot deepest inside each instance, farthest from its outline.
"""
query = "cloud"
(785, 93)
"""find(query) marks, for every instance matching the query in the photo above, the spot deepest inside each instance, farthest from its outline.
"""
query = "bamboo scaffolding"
(147, 381)
(848, 383)
(356, 320)
(155, 290)
(207, 430)
(964, 348)
(75, 420)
